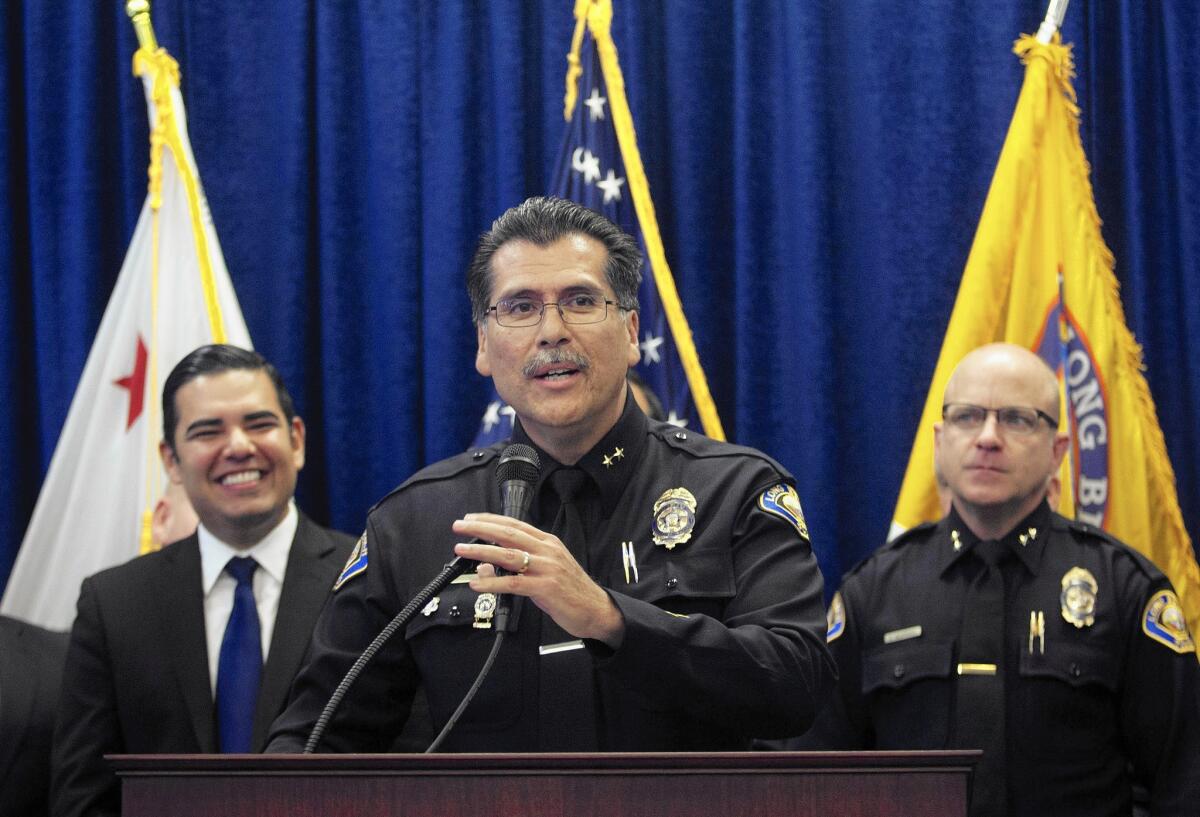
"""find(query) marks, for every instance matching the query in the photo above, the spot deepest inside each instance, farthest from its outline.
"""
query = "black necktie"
(567, 716)
(979, 712)
(240, 664)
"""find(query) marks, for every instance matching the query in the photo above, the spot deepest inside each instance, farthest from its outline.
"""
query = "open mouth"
(555, 374)
(241, 478)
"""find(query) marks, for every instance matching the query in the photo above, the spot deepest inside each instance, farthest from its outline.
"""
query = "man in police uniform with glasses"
(669, 598)
(1060, 652)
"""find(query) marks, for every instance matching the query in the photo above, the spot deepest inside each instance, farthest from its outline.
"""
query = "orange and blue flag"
(1040, 275)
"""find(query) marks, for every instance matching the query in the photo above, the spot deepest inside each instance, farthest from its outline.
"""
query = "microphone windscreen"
(519, 462)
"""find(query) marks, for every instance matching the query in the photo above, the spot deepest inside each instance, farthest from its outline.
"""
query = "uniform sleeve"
(757, 666)
(1160, 706)
(87, 726)
(843, 723)
(376, 706)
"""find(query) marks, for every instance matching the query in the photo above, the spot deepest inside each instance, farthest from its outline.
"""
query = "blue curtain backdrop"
(818, 170)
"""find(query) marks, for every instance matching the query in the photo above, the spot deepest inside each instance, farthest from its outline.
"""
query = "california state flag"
(173, 294)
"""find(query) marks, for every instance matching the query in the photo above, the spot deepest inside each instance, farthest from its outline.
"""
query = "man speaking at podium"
(665, 593)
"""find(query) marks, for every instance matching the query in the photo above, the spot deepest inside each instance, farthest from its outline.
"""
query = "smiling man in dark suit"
(31, 662)
(192, 648)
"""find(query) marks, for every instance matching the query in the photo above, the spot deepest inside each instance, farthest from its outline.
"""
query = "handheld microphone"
(516, 476)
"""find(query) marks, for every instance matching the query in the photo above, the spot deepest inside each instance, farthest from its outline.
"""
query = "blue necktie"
(240, 665)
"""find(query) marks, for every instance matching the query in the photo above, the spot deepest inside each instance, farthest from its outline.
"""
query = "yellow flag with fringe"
(1040, 275)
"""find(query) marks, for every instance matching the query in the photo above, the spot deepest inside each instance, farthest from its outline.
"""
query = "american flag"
(591, 170)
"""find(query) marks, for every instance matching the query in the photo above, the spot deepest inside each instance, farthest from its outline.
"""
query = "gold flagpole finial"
(139, 14)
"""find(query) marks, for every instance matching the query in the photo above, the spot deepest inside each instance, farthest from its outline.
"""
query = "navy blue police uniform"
(701, 545)
(1095, 678)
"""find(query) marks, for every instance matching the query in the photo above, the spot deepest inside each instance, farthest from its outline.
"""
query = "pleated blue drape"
(818, 170)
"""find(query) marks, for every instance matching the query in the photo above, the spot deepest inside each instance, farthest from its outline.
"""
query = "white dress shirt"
(272, 556)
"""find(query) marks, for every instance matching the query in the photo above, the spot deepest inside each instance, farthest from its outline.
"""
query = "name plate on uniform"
(562, 646)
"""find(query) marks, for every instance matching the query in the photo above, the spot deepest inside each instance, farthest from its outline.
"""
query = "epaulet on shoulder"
(900, 540)
(908, 535)
(699, 445)
(1086, 530)
(447, 469)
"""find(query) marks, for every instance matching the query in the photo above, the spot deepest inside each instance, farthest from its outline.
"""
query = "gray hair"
(543, 220)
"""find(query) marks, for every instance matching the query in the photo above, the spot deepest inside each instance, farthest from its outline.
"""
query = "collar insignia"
(617, 454)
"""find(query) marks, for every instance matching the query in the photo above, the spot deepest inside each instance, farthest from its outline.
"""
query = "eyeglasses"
(1011, 419)
(580, 307)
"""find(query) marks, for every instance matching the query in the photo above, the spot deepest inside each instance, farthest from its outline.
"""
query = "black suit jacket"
(137, 678)
(31, 665)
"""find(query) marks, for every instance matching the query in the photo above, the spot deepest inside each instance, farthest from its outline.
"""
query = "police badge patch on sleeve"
(784, 502)
(357, 563)
(835, 618)
(1163, 621)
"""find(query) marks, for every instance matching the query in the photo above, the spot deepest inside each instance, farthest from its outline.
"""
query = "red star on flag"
(135, 381)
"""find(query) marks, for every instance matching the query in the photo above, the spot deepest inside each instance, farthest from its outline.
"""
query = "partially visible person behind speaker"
(1059, 651)
(669, 598)
(31, 665)
(192, 648)
(645, 397)
(174, 518)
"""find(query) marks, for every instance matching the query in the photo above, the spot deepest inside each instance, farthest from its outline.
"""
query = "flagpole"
(1055, 13)
(139, 15)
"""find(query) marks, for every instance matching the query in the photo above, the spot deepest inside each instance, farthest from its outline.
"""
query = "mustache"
(549, 357)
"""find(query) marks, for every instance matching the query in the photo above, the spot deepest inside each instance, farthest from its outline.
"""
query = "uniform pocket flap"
(1074, 664)
(894, 666)
(690, 575)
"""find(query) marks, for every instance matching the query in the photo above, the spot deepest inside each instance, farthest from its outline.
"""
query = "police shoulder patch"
(783, 501)
(1164, 622)
(357, 563)
(835, 618)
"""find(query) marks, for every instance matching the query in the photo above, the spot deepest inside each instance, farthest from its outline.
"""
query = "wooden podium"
(791, 784)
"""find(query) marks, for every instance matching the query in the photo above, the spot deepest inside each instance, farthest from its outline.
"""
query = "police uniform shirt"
(1099, 673)
(723, 629)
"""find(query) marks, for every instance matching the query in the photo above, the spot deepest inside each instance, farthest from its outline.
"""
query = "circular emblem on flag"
(1066, 350)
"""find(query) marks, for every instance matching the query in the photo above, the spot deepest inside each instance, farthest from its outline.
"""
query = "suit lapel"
(16, 693)
(311, 570)
(181, 611)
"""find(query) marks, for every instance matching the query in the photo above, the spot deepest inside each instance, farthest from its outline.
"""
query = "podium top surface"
(566, 763)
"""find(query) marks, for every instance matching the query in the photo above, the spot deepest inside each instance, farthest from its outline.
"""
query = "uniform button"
(898, 671)
(478, 455)
(679, 435)
(671, 582)
(1075, 671)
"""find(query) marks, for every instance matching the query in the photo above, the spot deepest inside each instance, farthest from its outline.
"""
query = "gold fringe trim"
(1181, 567)
(165, 133)
(574, 68)
(599, 18)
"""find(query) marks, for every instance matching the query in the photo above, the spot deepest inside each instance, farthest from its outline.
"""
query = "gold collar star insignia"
(607, 461)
